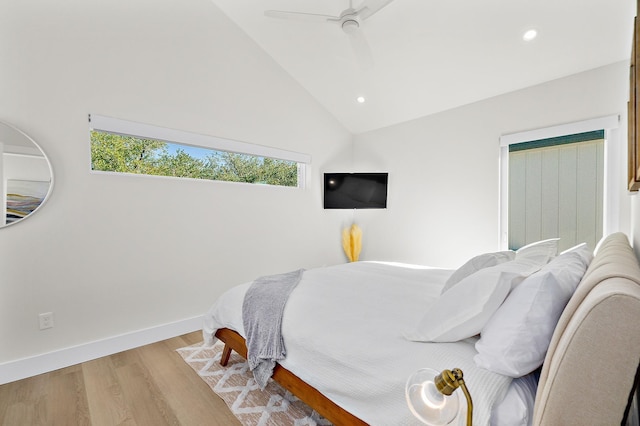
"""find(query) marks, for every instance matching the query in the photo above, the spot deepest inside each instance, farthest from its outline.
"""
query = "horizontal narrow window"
(121, 146)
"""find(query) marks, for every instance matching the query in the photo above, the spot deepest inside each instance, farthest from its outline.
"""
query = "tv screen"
(355, 190)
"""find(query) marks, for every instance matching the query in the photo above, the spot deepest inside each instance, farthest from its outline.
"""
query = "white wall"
(26, 167)
(444, 183)
(114, 254)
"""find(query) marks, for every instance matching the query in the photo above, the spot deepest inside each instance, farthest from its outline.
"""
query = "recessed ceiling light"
(360, 99)
(529, 35)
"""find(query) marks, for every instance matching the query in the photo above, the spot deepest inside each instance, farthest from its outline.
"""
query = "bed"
(354, 333)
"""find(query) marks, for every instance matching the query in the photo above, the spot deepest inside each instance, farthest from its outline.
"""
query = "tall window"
(556, 190)
(126, 147)
(561, 182)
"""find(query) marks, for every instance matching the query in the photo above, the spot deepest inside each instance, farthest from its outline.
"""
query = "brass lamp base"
(448, 381)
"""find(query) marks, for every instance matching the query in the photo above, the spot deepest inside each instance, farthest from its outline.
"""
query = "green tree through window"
(111, 152)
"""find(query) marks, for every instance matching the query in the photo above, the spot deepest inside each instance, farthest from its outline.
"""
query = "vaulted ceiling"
(417, 57)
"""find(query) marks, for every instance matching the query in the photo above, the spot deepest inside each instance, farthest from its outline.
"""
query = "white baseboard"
(50, 361)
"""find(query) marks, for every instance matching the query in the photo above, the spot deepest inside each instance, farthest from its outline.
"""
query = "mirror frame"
(29, 139)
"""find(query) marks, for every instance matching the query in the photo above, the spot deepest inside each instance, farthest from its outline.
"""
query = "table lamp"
(430, 396)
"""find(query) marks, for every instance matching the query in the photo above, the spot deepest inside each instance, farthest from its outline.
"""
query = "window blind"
(556, 189)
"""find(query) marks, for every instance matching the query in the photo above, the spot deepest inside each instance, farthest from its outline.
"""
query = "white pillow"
(476, 263)
(516, 409)
(465, 308)
(583, 250)
(540, 251)
(515, 340)
(599, 244)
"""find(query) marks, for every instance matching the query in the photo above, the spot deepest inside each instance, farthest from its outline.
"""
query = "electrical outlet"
(46, 320)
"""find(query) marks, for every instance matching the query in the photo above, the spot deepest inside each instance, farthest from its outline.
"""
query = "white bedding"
(343, 330)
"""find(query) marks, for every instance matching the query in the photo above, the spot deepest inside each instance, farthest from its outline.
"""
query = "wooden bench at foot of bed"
(305, 392)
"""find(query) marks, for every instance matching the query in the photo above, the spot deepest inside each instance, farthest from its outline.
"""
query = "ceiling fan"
(349, 20)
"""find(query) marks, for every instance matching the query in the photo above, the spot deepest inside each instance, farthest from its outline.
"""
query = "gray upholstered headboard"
(589, 369)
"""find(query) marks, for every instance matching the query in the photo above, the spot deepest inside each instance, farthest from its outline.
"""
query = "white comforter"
(343, 330)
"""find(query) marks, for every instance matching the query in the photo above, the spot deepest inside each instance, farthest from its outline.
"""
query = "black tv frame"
(355, 190)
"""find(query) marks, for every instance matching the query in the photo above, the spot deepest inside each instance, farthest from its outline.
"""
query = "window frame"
(610, 125)
(148, 131)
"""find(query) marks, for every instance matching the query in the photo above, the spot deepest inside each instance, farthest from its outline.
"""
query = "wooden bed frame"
(306, 393)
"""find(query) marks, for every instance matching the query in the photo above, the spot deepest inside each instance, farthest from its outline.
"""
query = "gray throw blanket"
(262, 311)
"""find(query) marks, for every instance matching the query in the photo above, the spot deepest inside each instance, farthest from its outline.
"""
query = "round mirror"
(27, 177)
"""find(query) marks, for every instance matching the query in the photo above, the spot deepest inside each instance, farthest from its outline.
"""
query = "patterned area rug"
(235, 385)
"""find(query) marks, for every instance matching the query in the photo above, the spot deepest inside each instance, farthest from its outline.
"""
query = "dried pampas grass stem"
(352, 242)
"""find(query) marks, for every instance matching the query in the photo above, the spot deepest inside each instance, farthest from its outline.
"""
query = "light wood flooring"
(146, 386)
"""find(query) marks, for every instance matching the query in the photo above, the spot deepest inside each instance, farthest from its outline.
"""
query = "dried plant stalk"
(352, 242)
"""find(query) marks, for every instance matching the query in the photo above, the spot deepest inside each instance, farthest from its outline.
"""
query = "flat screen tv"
(355, 190)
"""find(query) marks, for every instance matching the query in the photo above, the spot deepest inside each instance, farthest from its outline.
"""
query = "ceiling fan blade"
(361, 49)
(315, 17)
(370, 7)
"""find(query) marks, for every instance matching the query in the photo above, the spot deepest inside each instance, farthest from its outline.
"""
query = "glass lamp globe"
(426, 402)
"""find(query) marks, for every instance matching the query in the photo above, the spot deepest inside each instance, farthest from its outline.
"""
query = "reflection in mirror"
(27, 177)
